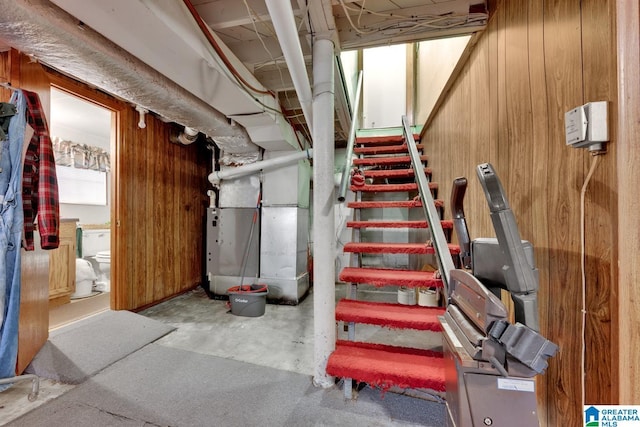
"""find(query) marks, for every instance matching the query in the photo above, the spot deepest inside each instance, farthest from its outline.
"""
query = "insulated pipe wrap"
(54, 37)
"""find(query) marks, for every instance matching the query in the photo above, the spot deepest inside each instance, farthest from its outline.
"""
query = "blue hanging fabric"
(11, 227)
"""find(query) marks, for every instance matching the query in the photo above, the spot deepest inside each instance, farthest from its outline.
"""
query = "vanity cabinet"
(62, 265)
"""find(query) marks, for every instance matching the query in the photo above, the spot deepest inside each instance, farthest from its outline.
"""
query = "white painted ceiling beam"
(352, 40)
(221, 15)
(373, 30)
(455, 7)
(253, 52)
(275, 80)
(322, 22)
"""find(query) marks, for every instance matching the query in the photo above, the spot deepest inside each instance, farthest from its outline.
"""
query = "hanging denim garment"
(11, 226)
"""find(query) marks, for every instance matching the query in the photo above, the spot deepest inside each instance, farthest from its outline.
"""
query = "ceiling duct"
(57, 39)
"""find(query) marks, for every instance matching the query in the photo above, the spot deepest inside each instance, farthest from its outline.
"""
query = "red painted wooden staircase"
(384, 168)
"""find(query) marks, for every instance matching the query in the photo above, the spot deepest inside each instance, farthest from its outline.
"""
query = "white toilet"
(96, 248)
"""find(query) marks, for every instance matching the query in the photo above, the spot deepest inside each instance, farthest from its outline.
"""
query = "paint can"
(406, 296)
(428, 297)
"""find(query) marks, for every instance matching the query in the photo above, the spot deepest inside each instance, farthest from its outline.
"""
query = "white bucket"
(85, 277)
(83, 289)
(428, 297)
(406, 296)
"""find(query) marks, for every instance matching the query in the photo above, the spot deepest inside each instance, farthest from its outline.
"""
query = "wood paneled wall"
(535, 61)
(628, 296)
(33, 323)
(158, 199)
(159, 213)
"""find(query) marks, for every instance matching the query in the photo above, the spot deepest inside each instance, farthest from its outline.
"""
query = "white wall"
(82, 122)
(384, 86)
(436, 60)
(349, 60)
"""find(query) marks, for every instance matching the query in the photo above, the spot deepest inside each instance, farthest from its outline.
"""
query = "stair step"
(387, 366)
(382, 140)
(391, 315)
(385, 149)
(395, 248)
(393, 277)
(391, 204)
(380, 188)
(393, 173)
(446, 224)
(392, 160)
(383, 204)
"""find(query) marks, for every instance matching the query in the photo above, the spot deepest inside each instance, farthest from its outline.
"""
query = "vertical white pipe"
(324, 291)
(284, 23)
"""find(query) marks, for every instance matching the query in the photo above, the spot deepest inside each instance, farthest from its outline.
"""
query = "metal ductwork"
(57, 39)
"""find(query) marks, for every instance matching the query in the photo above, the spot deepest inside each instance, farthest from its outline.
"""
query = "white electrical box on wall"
(575, 126)
(586, 126)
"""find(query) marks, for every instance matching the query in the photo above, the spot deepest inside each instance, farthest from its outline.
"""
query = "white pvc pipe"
(324, 245)
(284, 23)
(231, 173)
(188, 136)
(141, 113)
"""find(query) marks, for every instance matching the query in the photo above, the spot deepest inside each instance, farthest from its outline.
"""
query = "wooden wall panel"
(540, 138)
(161, 205)
(565, 172)
(601, 202)
(530, 66)
(5, 63)
(33, 323)
(598, 24)
(33, 327)
(125, 231)
(626, 314)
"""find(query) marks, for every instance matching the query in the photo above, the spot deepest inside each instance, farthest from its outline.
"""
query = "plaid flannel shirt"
(39, 181)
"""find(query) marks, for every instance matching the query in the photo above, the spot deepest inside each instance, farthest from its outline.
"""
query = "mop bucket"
(248, 300)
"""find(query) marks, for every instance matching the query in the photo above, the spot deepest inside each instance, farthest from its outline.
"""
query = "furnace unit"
(272, 250)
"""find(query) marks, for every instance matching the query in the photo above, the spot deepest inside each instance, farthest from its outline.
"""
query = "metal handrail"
(346, 172)
(438, 239)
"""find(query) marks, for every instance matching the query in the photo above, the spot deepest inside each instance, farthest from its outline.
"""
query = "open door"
(33, 329)
(33, 326)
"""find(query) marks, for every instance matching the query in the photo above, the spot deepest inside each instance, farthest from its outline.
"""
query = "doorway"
(384, 87)
(82, 133)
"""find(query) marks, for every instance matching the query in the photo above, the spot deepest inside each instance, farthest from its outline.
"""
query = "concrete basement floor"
(282, 338)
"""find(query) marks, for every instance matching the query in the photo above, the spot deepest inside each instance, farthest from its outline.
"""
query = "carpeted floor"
(164, 386)
(80, 350)
(127, 375)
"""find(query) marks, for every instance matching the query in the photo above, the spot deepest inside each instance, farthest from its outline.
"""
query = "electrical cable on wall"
(594, 163)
